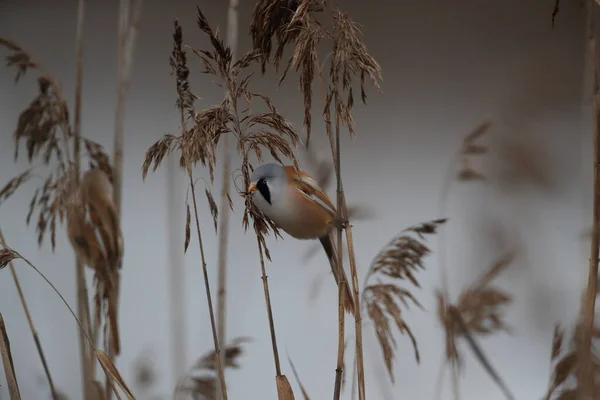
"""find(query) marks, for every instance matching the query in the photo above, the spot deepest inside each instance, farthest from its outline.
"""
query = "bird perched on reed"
(296, 204)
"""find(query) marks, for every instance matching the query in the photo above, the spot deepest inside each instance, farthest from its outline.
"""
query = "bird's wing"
(309, 187)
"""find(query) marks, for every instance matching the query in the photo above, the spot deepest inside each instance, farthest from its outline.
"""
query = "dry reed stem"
(83, 308)
(341, 276)
(34, 333)
(129, 15)
(176, 271)
(7, 361)
(232, 40)
(222, 249)
(585, 372)
(218, 355)
(359, 362)
(269, 309)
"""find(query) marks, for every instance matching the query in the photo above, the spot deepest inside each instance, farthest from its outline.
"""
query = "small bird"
(296, 204)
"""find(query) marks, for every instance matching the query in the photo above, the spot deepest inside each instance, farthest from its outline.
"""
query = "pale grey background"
(447, 66)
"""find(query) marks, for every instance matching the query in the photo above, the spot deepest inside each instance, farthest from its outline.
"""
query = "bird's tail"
(330, 250)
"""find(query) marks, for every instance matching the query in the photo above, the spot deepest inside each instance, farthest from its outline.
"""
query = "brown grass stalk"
(7, 361)
(585, 375)
(269, 309)
(34, 333)
(341, 276)
(232, 40)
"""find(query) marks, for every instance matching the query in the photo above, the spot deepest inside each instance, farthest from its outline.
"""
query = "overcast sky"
(447, 67)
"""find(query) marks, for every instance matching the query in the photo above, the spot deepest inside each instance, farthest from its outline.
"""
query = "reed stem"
(218, 354)
(232, 39)
(269, 309)
(83, 307)
(341, 280)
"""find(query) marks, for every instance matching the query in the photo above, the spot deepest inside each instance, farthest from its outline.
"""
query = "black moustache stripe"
(263, 188)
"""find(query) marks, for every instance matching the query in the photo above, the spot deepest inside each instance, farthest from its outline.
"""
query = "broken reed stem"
(586, 380)
(218, 355)
(232, 39)
(269, 310)
(83, 306)
(341, 281)
(34, 333)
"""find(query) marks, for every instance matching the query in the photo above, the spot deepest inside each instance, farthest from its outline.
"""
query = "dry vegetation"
(87, 201)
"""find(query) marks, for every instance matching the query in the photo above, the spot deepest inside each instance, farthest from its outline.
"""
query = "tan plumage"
(295, 202)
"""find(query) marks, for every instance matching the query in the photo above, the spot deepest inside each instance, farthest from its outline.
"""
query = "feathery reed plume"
(566, 382)
(7, 361)
(586, 368)
(398, 260)
(201, 382)
(6, 256)
(469, 149)
(34, 333)
(292, 22)
(562, 367)
(477, 312)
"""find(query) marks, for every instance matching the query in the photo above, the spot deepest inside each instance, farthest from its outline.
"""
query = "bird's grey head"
(267, 180)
